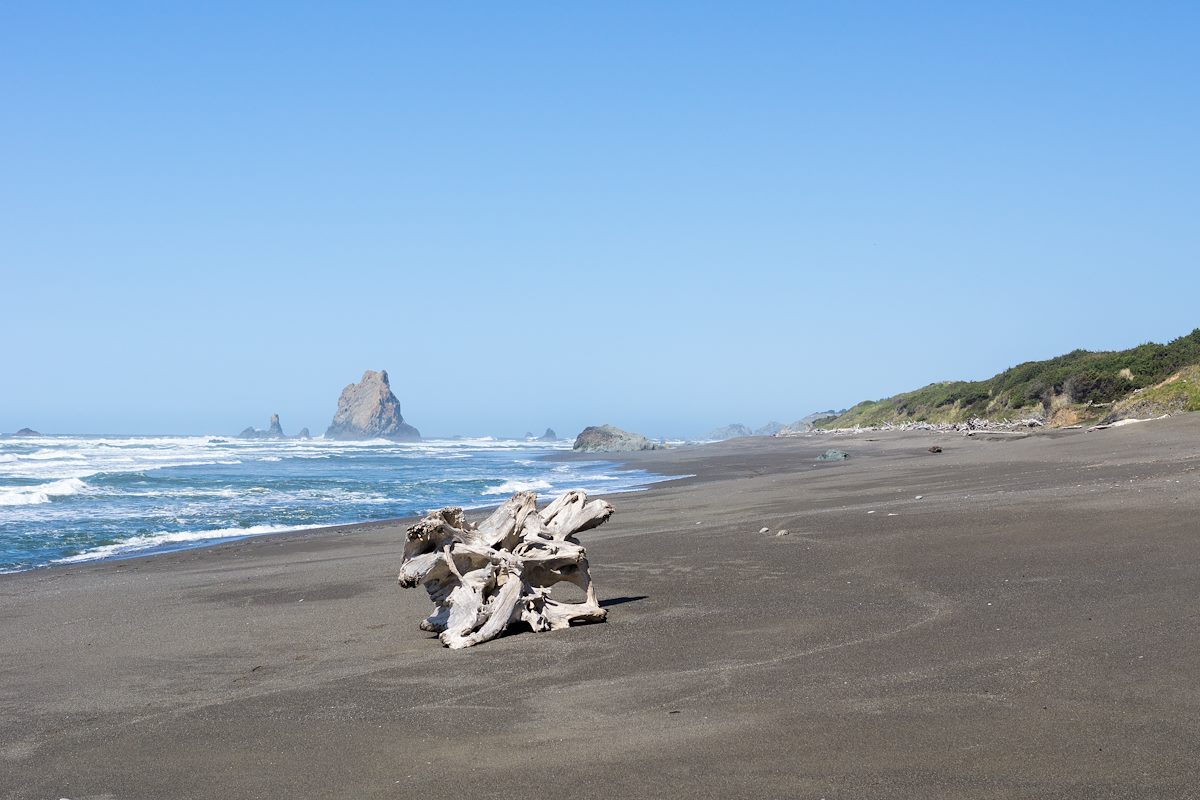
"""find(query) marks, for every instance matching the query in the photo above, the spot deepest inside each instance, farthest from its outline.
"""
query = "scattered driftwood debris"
(482, 578)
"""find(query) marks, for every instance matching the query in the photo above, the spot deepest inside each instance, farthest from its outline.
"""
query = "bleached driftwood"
(484, 577)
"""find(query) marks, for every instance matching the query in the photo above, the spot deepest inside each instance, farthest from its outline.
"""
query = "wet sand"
(1029, 628)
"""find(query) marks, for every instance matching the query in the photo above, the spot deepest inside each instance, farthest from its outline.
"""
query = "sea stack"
(548, 436)
(610, 439)
(275, 431)
(733, 431)
(369, 410)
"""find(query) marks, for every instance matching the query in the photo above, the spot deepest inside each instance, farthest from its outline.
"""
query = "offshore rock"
(369, 410)
(26, 432)
(304, 434)
(610, 439)
(732, 431)
(274, 431)
(548, 436)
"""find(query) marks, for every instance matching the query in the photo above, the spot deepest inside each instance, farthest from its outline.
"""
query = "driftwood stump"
(482, 578)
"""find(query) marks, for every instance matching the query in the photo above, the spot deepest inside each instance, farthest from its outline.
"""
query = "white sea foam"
(35, 495)
(508, 487)
(155, 540)
(52, 455)
(131, 491)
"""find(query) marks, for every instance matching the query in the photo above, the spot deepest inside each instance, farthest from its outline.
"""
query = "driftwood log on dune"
(484, 577)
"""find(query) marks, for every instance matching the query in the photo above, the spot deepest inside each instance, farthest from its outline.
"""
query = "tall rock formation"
(369, 410)
(273, 432)
(548, 436)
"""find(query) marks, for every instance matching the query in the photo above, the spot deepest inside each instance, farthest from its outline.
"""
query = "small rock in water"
(833, 455)
(764, 530)
(783, 532)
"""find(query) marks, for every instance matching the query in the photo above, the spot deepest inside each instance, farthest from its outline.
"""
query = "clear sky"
(667, 216)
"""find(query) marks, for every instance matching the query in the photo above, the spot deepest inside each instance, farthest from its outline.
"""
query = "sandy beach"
(1027, 628)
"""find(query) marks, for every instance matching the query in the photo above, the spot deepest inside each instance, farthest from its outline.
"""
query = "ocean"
(71, 499)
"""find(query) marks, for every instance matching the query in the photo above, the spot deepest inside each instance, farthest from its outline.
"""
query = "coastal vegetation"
(1079, 387)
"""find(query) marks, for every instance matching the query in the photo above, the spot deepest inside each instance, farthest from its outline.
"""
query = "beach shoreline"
(1007, 618)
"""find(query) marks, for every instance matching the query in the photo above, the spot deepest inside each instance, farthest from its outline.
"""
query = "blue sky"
(666, 216)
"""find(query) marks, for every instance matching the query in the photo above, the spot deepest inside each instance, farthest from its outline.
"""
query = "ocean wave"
(41, 493)
(153, 541)
(52, 455)
(509, 487)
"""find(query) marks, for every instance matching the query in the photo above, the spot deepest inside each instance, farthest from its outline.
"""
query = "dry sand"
(1026, 629)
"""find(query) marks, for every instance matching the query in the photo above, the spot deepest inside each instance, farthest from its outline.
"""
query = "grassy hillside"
(1080, 386)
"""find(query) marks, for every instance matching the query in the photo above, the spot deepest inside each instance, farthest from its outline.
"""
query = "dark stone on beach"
(369, 410)
(27, 432)
(610, 439)
(833, 455)
(548, 436)
(935, 449)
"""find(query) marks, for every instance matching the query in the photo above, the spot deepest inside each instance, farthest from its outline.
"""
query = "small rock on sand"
(833, 455)
(935, 449)
(783, 532)
(764, 530)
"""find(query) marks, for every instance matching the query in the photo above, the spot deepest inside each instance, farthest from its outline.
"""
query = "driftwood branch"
(482, 578)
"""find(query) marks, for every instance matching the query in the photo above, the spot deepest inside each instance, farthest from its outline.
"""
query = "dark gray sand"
(1026, 629)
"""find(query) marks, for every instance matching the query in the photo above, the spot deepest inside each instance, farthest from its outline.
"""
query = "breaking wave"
(160, 541)
(42, 493)
(508, 487)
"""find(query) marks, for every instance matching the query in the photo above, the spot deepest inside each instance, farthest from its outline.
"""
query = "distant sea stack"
(26, 432)
(734, 431)
(369, 410)
(610, 439)
(548, 436)
(275, 431)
